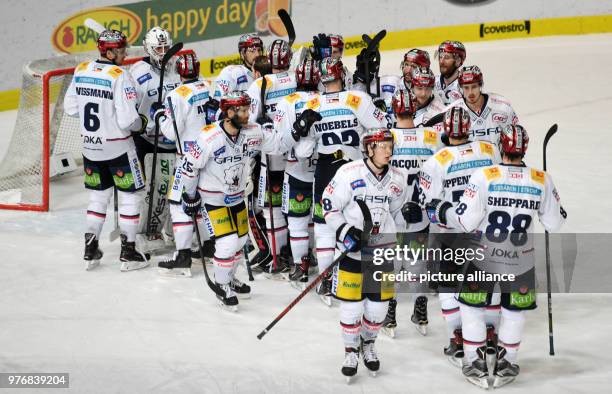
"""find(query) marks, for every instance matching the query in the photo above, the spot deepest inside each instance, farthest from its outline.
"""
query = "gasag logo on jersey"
(501, 118)
(511, 29)
(358, 183)
(372, 199)
(144, 78)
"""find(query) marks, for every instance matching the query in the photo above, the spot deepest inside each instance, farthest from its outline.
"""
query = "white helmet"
(156, 43)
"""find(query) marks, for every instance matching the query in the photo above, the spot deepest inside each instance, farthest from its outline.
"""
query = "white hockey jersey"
(496, 112)
(146, 78)
(190, 115)
(384, 198)
(388, 85)
(219, 166)
(501, 202)
(434, 107)
(232, 77)
(411, 148)
(447, 93)
(446, 174)
(287, 112)
(104, 97)
(346, 115)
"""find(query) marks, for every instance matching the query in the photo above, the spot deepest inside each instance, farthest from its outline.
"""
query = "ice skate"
(299, 277)
(242, 290)
(370, 358)
(92, 254)
(390, 324)
(324, 289)
(130, 258)
(505, 372)
(209, 251)
(419, 315)
(283, 266)
(350, 364)
(178, 266)
(228, 300)
(491, 347)
(454, 351)
(477, 372)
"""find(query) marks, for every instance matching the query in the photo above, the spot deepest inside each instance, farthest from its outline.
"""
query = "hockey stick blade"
(171, 52)
(373, 42)
(553, 129)
(286, 19)
(94, 25)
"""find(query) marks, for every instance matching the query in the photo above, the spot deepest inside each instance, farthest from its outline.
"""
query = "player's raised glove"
(350, 236)
(191, 205)
(436, 211)
(322, 47)
(412, 212)
(304, 122)
(210, 109)
(157, 111)
(380, 104)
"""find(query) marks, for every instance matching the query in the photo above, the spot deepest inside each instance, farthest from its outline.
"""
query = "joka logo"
(71, 35)
(514, 28)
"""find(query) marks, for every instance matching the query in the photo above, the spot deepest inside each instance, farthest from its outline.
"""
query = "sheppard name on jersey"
(336, 125)
(513, 202)
(462, 180)
(91, 92)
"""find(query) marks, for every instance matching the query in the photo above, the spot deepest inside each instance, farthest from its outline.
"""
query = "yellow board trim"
(574, 25)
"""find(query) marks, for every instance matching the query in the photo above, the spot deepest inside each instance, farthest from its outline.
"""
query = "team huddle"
(291, 165)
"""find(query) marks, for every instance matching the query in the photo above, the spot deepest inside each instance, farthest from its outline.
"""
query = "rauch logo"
(72, 36)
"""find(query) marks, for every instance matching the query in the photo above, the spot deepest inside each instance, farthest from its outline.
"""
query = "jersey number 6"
(91, 122)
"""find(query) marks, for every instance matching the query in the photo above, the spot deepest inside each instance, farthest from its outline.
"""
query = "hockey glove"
(380, 104)
(157, 111)
(263, 120)
(351, 237)
(210, 109)
(412, 212)
(304, 122)
(143, 125)
(191, 205)
(436, 211)
(322, 47)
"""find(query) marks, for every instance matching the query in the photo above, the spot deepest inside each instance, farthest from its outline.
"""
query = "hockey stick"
(167, 56)
(116, 231)
(94, 25)
(213, 286)
(286, 19)
(245, 251)
(262, 97)
(367, 229)
(176, 134)
(434, 120)
(371, 49)
(551, 344)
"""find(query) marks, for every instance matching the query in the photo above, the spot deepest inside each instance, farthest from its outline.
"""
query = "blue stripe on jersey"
(515, 189)
(280, 93)
(470, 164)
(93, 81)
(413, 151)
(336, 112)
(198, 97)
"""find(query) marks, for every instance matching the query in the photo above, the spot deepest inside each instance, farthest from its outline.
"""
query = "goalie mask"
(156, 43)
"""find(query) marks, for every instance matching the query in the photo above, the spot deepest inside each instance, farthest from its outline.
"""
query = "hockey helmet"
(470, 74)
(418, 57)
(422, 77)
(307, 73)
(337, 41)
(280, 54)
(455, 48)
(513, 140)
(331, 70)
(236, 98)
(249, 40)
(188, 66)
(457, 123)
(111, 39)
(404, 102)
(374, 136)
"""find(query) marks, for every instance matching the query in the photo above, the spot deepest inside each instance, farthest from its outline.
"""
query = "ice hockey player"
(412, 59)
(295, 117)
(278, 85)
(428, 103)
(413, 146)
(345, 117)
(451, 55)
(182, 125)
(445, 176)
(362, 293)
(489, 112)
(214, 172)
(146, 73)
(240, 76)
(330, 45)
(104, 97)
(485, 207)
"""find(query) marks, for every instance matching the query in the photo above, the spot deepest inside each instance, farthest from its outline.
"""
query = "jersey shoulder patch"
(115, 72)
(430, 137)
(183, 91)
(260, 82)
(293, 97)
(492, 173)
(444, 156)
(353, 101)
(208, 127)
(82, 66)
(486, 147)
(313, 103)
(538, 176)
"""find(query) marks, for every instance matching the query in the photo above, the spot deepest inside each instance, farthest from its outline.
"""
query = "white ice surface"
(138, 333)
